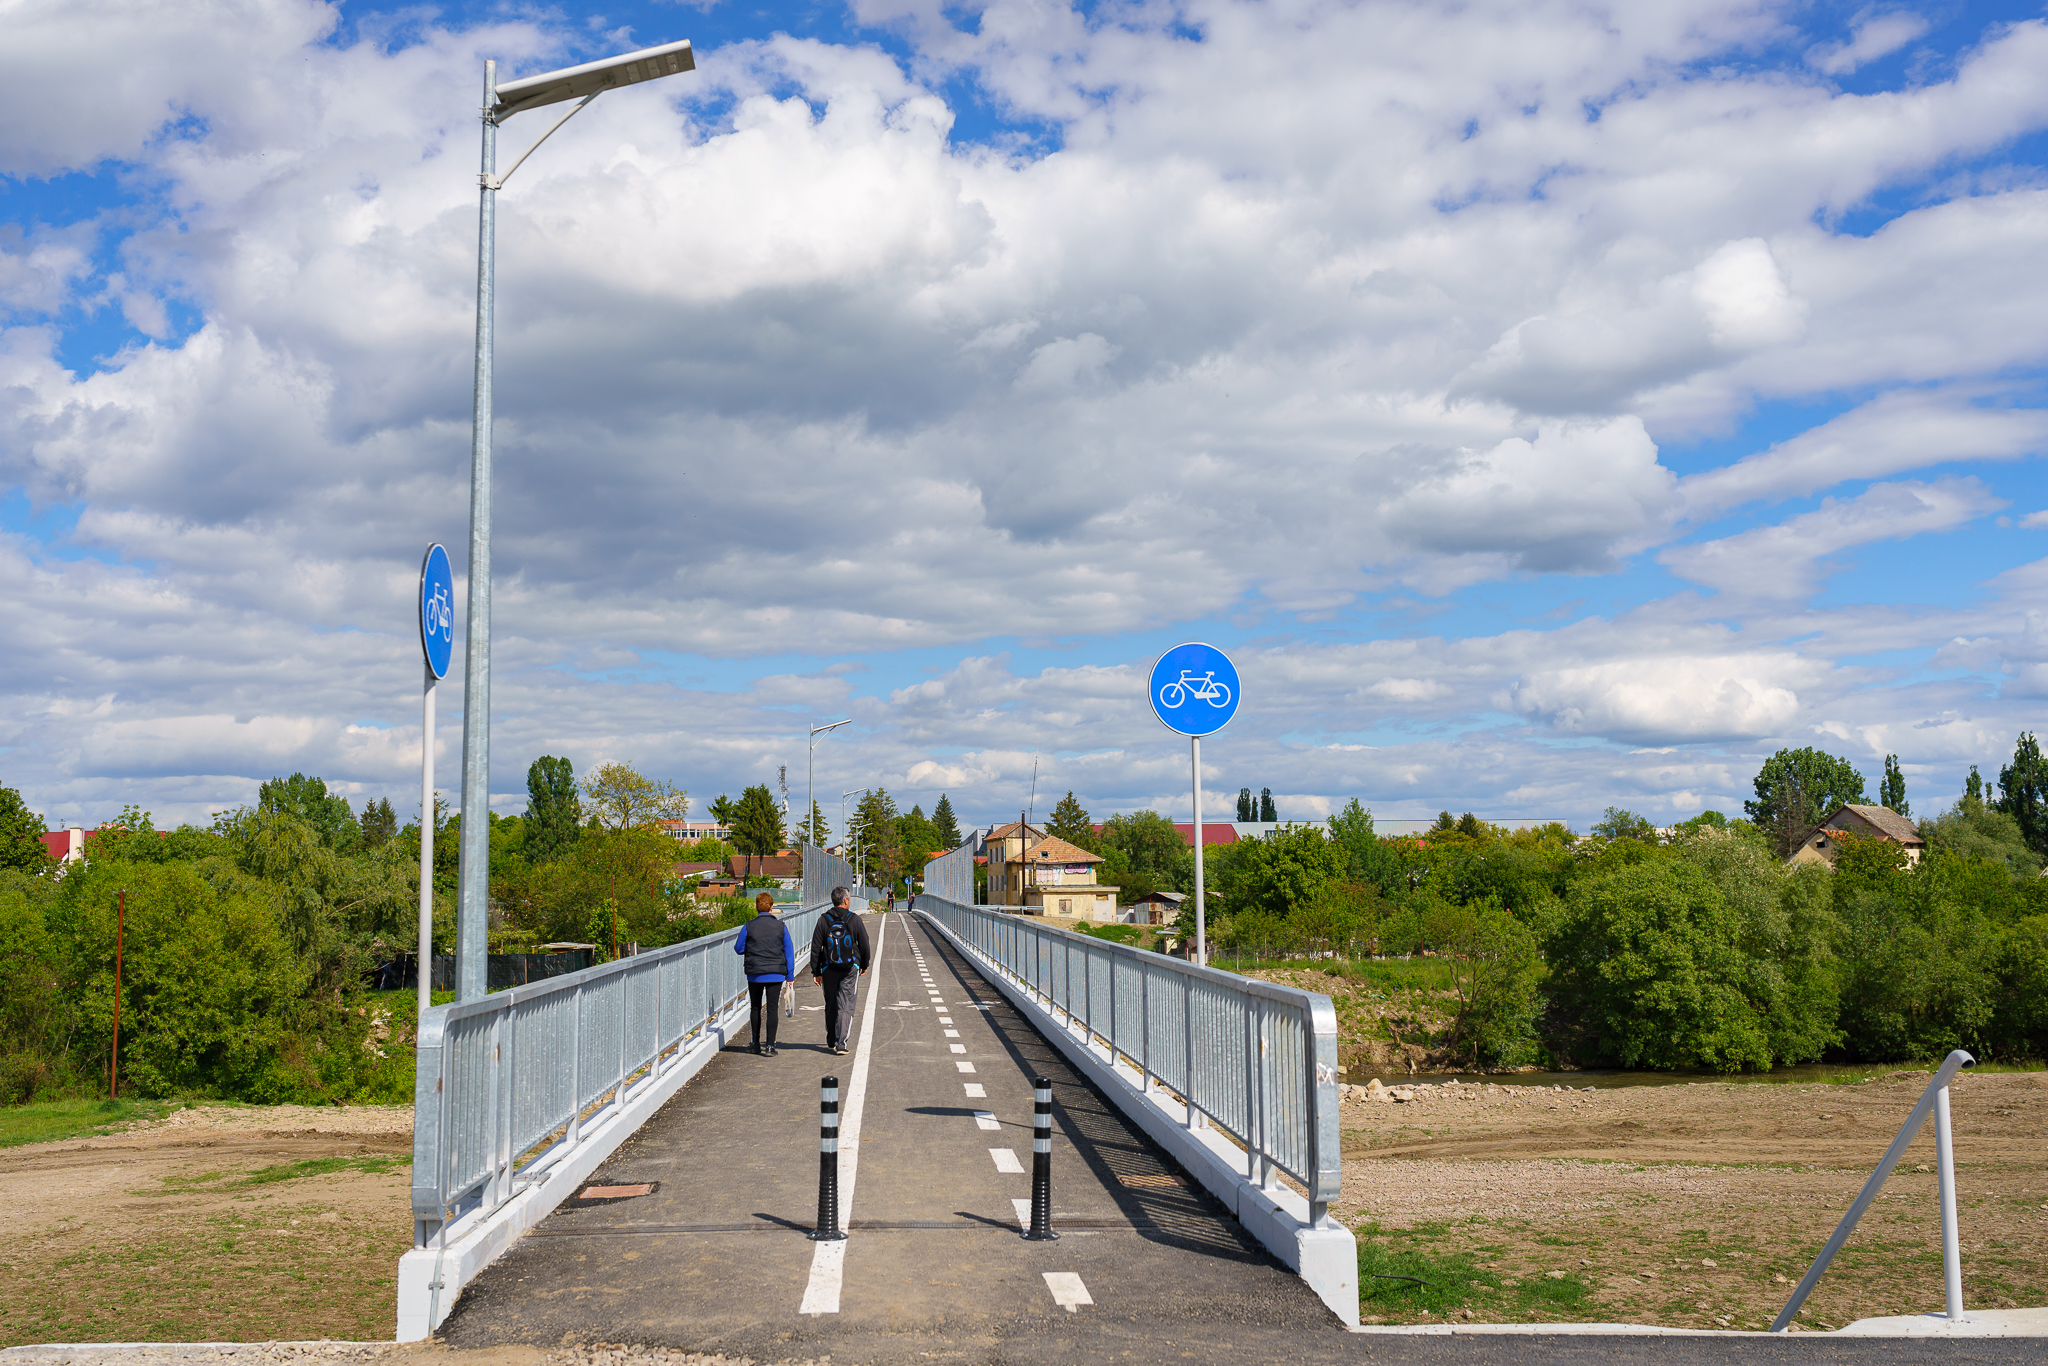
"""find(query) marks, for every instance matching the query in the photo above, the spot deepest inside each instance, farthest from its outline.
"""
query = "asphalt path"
(936, 1155)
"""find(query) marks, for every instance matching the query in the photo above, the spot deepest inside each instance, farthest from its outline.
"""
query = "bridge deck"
(715, 1258)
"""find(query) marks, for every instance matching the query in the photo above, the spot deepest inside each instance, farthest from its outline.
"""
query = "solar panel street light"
(584, 83)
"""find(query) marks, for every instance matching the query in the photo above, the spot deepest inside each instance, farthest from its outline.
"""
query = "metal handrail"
(1934, 1099)
(1256, 1060)
(505, 1085)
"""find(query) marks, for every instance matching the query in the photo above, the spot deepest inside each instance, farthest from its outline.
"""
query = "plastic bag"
(789, 1000)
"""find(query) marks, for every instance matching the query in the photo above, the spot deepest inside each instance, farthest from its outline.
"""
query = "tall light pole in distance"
(584, 83)
(846, 833)
(811, 776)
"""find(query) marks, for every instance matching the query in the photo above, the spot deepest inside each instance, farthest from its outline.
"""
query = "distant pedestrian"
(839, 959)
(770, 956)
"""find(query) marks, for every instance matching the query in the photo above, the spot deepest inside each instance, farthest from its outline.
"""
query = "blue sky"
(1550, 408)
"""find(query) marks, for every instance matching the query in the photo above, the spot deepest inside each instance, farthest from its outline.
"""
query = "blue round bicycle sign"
(437, 610)
(1194, 689)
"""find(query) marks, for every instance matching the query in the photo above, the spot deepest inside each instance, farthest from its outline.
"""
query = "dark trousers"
(841, 985)
(765, 1000)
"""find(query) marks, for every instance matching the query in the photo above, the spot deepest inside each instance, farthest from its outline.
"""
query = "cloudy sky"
(1550, 405)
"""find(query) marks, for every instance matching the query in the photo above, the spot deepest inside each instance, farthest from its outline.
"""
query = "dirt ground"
(1700, 1205)
(214, 1224)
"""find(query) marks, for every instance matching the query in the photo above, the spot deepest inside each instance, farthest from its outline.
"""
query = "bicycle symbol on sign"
(1206, 688)
(440, 615)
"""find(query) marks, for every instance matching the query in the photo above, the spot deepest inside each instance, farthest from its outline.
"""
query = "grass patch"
(1404, 1275)
(374, 1165)
(51, 1120)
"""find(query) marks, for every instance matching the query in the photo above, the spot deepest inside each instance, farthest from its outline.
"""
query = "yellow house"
(1866, 822)
(1054, 877)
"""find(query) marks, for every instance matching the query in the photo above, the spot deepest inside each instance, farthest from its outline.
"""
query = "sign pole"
(425, 955)
(437, 644)
(1201, 906)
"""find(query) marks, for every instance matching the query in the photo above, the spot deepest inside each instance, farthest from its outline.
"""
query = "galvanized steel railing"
(1256, 1060)
(950, 876)
(823, 872)
(506, 1084)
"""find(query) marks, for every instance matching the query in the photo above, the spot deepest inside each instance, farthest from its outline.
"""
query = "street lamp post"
(846, 833)
(811, 777)
(584, 84)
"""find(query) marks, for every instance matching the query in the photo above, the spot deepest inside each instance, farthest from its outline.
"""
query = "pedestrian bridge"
(601, 1157)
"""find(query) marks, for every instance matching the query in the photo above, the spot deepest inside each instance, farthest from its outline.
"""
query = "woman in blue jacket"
(770, 956)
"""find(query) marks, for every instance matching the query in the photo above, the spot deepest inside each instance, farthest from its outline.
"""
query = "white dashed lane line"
(1006, 1161)
(963, 1064)
(975, 1090)
(1023, 1208)
(1067, 1291)
(985, 1119)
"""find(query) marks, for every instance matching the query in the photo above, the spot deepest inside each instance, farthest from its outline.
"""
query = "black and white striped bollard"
(1041, 1162)
(828, 1230)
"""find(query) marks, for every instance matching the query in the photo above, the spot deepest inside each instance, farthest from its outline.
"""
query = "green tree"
(919, 841)
(1617, 824)
(554, 814)
(874, 835)
(1070, 822)
(1495, 964)
(1266, 809)
(945, 825)
(1892, 791)
(1280, 870)
(379, 823)
(621, 798)
(817, 830)
(1367, 858)
(1644, 961)
(1144, 853)
(1245, 810)
(21, 834)
(1795, 791)
(308, 800)
(1972, 830)
(756, 823)
(723, 809)
(2023, 792)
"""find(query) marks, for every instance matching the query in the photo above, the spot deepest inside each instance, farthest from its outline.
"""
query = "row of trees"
(1692, 948)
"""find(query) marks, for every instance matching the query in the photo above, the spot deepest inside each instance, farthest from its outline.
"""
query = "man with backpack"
(839, 959)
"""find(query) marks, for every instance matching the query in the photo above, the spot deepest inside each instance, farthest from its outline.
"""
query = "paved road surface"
(1148, 1268)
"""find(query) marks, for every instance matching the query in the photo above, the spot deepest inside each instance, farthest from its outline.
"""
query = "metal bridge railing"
(1257, 1061)
(823, 872)
(505, 1084)
(950, 877)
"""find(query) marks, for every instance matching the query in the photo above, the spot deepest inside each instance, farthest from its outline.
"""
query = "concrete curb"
(466, 1255)
(1325, 1255)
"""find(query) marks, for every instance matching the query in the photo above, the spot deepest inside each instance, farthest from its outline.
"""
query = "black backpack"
(841, 949)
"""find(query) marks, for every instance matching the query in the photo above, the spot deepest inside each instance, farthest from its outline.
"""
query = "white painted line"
(1023, 1208)
(1067, 1291)
(963, 1065)
(828, 1261)
(985, 1119)
(957, 1047)
(943, 1019)
(975, 1090)
(1006, 1160)
(951, 1033)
